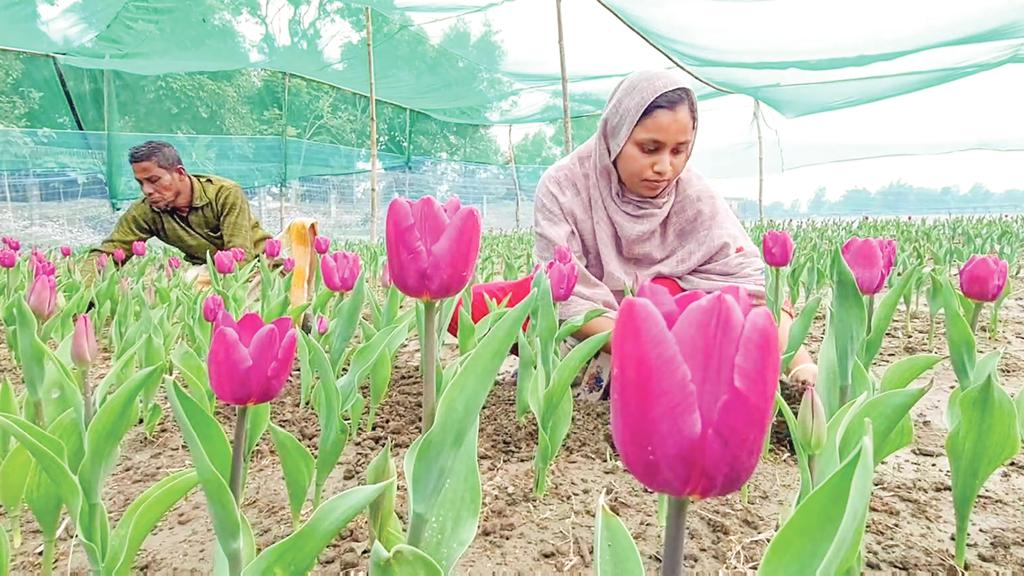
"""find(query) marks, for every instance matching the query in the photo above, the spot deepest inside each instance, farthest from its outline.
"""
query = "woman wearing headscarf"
(630, 210)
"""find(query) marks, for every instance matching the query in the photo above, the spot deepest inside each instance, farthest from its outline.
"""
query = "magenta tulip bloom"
(288, 265)
(8, 258)
(251, 360)
(870, 260)
(174, 262)
(13, 244)
(432, 250)
(238, 254)
(272, 248)
(340, 271)
(321, 325)
(212, 307)
(224, 262)
(777, 247)
(321, 244)
(44, 268)
(42, 297)
(563, 274)
(888, 247)
(983, 278)
(139, 248)
(695, 380)
(119, 256)
(83, 342)
(65, 251)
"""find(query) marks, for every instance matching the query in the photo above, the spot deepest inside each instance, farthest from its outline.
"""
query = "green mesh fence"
(273, 93)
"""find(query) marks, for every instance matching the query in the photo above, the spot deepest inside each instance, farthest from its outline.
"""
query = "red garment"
(515, 290)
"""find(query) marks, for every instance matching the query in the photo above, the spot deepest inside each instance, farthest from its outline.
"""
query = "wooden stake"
(374, 200)
(760, 161)
(565, 81)
(515, 175)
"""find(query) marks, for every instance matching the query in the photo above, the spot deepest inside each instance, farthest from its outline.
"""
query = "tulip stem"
(871, 313)
(675, 537)
(777, 292)
(975, 314)
(428, 361)
(49, 555)
(238, 452)
(89, 407)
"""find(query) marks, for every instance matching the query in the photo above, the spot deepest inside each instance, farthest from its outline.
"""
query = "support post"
(760, 161)
(515, 175)
(566, 122)
(374, 200)
(284, 150)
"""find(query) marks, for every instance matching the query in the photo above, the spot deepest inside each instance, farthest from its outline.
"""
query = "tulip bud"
(65, 251)
(224, 262)
(139, 248)
(811, 425)
(238, 254)
(42, 297)
(385, 276)
(83, 342)
(321, 325)
(432, 249)
(340, 271)
(212, 308)
(44, 268)
(321, 244)
(871, 261)
(101, 261)
(563, 254)
(563, 274)
(983, 278)
(288, 265)
(689, 416)
(250, 361)
(777, 247)
(13, 244)
(119, 256)
(174, 262)
(272, 248)
(8, 258)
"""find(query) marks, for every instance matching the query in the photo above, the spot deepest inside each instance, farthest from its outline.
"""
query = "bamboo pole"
(566, 123)
(374, 200)
(284, 145)
(760, 161)
(515, 175)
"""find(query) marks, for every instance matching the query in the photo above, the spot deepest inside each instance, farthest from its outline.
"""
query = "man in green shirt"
(195, 213)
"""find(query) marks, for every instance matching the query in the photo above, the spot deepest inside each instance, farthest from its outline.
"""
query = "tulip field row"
(418, 414)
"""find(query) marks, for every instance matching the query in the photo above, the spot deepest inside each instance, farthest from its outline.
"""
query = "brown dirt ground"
(910, 527)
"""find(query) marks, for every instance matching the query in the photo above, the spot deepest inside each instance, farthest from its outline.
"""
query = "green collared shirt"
(219, 219)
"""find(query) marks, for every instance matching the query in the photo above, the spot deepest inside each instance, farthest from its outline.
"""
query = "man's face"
(161, 188)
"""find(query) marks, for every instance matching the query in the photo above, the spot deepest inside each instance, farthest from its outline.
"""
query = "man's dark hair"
(160, 153)
(670, 101)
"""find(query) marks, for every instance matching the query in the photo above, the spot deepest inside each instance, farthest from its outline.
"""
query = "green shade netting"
(270, 92)
(492, 62)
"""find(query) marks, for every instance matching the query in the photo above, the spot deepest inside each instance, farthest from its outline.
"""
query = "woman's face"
(656, 151)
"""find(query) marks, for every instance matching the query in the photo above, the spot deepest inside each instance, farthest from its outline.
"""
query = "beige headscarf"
(687, 232)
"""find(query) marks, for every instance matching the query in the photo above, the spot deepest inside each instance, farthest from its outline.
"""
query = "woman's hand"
(803, 375)
(803, 371)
